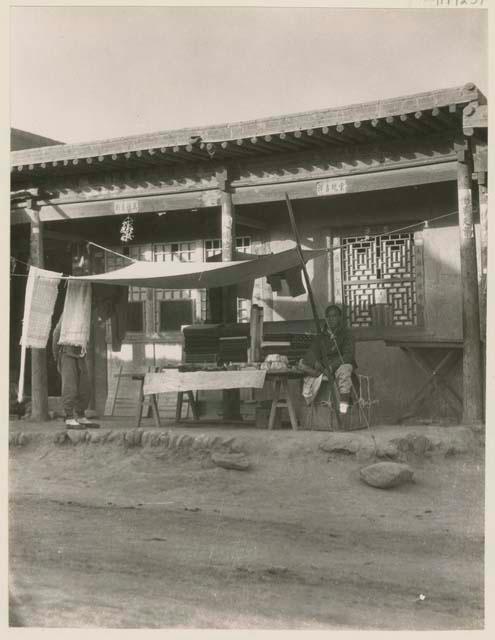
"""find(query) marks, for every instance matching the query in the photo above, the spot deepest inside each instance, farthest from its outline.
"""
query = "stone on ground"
(231, 461)
(341, 443)
(385, 475)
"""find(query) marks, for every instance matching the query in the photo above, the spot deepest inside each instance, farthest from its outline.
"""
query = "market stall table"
(281, 397)
(422, 352)
(180, 382)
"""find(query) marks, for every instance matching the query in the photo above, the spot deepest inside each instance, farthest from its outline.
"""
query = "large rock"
(385, 475)
(413, 443)
(341, 443)
(231, 461)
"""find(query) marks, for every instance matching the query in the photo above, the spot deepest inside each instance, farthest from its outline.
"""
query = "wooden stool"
(142, 401)
(279, 402)
(192, 404)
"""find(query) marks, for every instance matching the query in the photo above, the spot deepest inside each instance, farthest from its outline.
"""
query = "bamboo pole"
(314, 309)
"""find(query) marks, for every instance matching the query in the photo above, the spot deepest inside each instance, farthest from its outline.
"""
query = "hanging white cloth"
(39, 303)
(311, 386)
(76, 317)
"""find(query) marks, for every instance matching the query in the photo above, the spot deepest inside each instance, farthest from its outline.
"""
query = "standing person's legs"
(70, 381)
(82, 401)
(343, 377)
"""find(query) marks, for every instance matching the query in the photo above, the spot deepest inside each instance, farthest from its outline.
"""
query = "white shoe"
(88, 423)
(72, 423)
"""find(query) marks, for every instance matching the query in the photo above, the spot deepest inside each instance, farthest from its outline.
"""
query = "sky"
(89, 73)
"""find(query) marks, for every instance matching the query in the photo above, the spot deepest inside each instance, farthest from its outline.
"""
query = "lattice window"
(379, 279)
(175, 251)
(243, 244)
(212, 248)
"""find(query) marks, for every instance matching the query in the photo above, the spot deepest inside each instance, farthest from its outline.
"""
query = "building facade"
(377, 184)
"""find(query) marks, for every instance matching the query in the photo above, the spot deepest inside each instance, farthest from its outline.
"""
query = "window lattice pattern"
(175, 251)
(380, 273)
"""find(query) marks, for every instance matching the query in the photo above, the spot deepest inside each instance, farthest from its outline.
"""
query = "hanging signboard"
(331, 187)
(124, 207)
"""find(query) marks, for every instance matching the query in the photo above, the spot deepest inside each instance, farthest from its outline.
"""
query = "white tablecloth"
(175, 380)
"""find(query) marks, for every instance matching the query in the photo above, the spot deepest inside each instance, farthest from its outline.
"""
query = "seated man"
(337, 344)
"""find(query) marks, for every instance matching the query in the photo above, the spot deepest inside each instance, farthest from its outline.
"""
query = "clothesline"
(329, 249)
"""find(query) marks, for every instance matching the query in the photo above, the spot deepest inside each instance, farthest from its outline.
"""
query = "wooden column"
(472, 364)
(229, 297)
(88, 269)
(483, 203)
(231, 398)
(39, 371)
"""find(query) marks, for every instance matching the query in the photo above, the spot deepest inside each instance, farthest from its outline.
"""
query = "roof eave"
(188, 138)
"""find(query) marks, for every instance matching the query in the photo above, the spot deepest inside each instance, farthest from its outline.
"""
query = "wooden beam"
(325, 187)
(235, 149)
(278, 144)
(333, 136)
(348, 131)
(430, 124)
(311, 138)
(39, 372)
(381, 125)
(167, 155)
(259, 143)
(292, 140)
(397, 125)
(366, 129)
(383, 176)
(411, 123)
(472, 363)
(443, 116)
(249, 222)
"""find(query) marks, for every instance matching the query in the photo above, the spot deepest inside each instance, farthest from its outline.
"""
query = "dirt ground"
(108, 536)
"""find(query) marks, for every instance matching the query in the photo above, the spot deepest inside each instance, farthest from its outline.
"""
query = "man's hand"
(314, 372)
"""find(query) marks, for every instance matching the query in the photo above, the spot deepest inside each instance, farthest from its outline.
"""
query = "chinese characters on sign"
(331, 187)
(126, 206)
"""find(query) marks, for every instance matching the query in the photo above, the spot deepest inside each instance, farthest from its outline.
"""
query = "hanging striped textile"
(76, 316)
(39, 303)
(41, 294)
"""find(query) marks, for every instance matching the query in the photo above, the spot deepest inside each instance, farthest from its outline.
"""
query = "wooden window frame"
(336, 289)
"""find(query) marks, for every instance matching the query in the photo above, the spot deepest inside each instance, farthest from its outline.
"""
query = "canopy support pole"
(312, 302)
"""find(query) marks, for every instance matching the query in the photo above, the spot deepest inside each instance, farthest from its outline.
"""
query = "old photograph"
(247, 317)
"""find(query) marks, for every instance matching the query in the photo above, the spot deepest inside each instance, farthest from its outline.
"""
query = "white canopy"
(201, 275)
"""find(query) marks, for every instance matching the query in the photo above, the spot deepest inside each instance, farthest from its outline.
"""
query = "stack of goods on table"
(201, 343)
(285, 342)
(234, 342)
(233, 349)
(223, 343)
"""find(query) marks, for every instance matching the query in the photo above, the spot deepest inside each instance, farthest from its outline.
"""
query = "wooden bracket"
(481, 177)
(222, 176)
(461, 147)
(474, 116)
